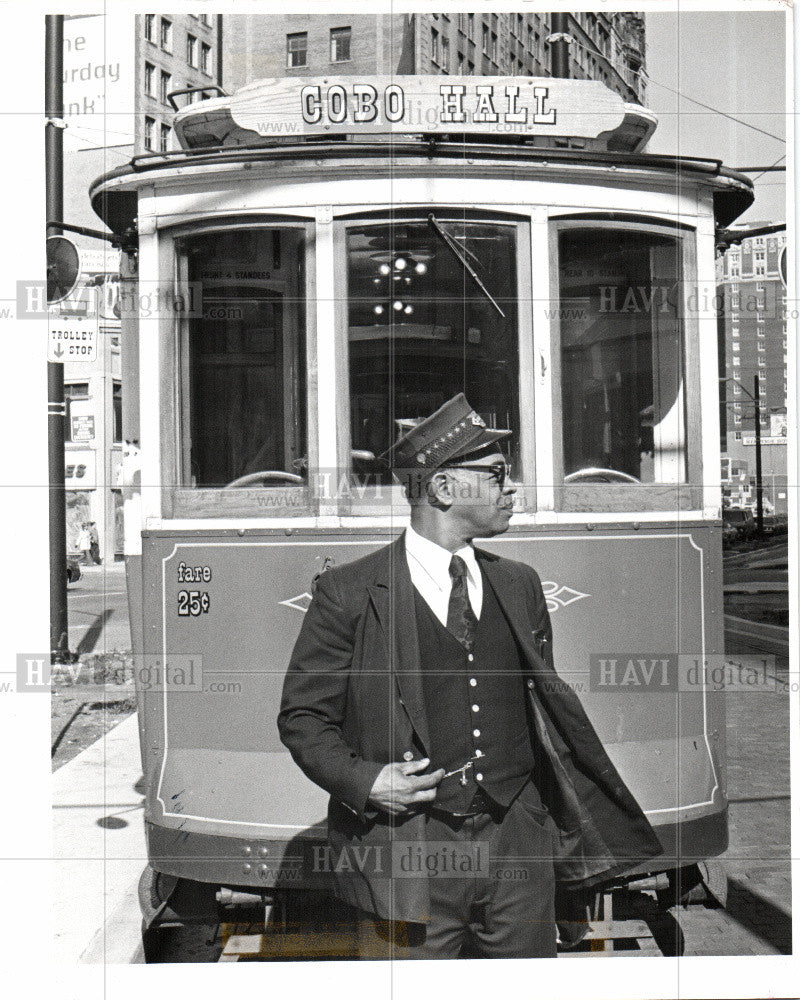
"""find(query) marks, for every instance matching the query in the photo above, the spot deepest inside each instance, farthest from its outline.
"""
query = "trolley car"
(323, 258)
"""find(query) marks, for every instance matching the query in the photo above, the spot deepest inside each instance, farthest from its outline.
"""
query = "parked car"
(741, 520)
(73, 570)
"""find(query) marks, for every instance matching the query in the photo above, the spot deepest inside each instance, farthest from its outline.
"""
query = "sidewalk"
(99, 851)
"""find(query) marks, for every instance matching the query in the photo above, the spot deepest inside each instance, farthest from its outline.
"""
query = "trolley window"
(622, 367)
(246, 358)
(420, 329)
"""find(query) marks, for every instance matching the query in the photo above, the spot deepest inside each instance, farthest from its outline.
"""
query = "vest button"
(476, 708)
(408, 755)
(470, 657)
(476, 732)
(479, 777)
(530, 684)
(472, 682)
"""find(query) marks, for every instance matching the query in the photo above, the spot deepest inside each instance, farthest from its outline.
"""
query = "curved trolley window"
(421, 328)
(622, 360)
(246, 357)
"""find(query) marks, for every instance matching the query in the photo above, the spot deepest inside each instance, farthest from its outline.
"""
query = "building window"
(737, 435)
(760, 287)
(485, 43)
(163, 145)
(206, 20)
(116, 403)
(762, 362)
(435, 55)
(205, 59)
(149, 27)
(737, 419)
(191, 51)
(164, 89)
(460, 63)
(340, 44)
(73, 391)
(461, 21)
(297, 50)
(149, 79)
(446, 55)
(149, 132)
(166, 34)
(737, 389)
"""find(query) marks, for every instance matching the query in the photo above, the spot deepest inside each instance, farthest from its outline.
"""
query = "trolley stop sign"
(71, 338)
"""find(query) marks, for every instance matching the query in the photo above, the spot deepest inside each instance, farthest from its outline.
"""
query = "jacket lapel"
(392, 596)
(512, 601)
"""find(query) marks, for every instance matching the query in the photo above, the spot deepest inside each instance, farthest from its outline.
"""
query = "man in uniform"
(465, 777)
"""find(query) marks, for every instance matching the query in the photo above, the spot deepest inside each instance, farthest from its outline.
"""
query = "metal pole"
(759, 482)
(559, 49)
(54, 159)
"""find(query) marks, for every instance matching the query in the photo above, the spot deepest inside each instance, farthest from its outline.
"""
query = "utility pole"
(54, 197)
(559, 46)
(759, 480)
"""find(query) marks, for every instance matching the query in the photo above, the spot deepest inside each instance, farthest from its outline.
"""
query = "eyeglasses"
(500, 471)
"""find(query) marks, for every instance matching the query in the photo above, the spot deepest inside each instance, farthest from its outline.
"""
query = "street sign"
(750, 439)
(71, 338)
(63, 267)
(782, 267)
(83, 427)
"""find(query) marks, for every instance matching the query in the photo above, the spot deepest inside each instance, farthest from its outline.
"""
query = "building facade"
(118, 71)
(753, 355)
(607, 47)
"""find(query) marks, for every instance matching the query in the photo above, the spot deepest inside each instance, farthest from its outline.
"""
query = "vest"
(475, 707)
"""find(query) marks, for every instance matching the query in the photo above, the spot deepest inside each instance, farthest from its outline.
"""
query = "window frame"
(623, 497)
(290, 37)
(165, 34)
(391, 497)
(335, 33)
(179, 498)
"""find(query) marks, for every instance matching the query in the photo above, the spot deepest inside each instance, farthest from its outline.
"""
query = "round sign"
(782, 267)
(63, 268)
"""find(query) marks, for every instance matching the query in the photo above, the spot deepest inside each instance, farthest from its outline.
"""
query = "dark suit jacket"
(352, 702)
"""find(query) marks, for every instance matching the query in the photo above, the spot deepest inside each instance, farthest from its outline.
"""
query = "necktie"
(461, 620)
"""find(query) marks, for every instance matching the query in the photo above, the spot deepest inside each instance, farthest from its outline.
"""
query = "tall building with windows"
(753, 351)
(609, 47)
(119, 69)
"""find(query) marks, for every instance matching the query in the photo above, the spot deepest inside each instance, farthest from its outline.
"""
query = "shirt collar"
(435, 560)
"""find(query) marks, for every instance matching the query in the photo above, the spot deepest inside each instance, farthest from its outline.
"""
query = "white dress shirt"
(429, 566)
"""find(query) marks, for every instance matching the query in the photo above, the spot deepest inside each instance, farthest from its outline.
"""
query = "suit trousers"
(492, 889)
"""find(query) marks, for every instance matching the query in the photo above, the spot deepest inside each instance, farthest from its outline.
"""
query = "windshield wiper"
(458, 253)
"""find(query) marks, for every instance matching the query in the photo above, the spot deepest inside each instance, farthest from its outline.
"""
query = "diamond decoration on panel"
(560, 596)
(299, 602)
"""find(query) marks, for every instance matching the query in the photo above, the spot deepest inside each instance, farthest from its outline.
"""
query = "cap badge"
(477, 420)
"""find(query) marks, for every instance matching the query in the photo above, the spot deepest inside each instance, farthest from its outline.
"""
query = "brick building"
(607, 47)
(753, 346)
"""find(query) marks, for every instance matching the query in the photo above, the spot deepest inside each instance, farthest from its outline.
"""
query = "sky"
(735, 62)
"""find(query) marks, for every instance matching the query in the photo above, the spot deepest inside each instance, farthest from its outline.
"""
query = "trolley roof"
(543, 122)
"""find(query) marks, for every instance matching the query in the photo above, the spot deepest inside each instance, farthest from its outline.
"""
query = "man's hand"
(398, 790)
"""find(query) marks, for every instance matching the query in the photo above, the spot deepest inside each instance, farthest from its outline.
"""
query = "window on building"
(762, 362)
(116, 404)
(737, 390)
(149, 132)
(737, 419)
(165, 87)
(471, 27)
(246, 357)
(758, 241)
(737, 435)
(461, 71)
(149, 79)
(461, 22)
(416, 341)
(435, 54)
(73, 391)
(622, 375)
(205, 59)
(485, 43)
(166, 34)
(761, 267)
(191, 50)
(163, 144)
(150, 27)
(760, 287)
(493, 47)
(206, 20)
(297, 50)
(470, 68)
(446, 54)
(340, 44)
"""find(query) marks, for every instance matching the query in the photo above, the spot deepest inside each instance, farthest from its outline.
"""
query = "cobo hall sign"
(525, 105)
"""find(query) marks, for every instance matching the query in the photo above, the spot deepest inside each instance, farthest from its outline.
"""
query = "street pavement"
(98, 611)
